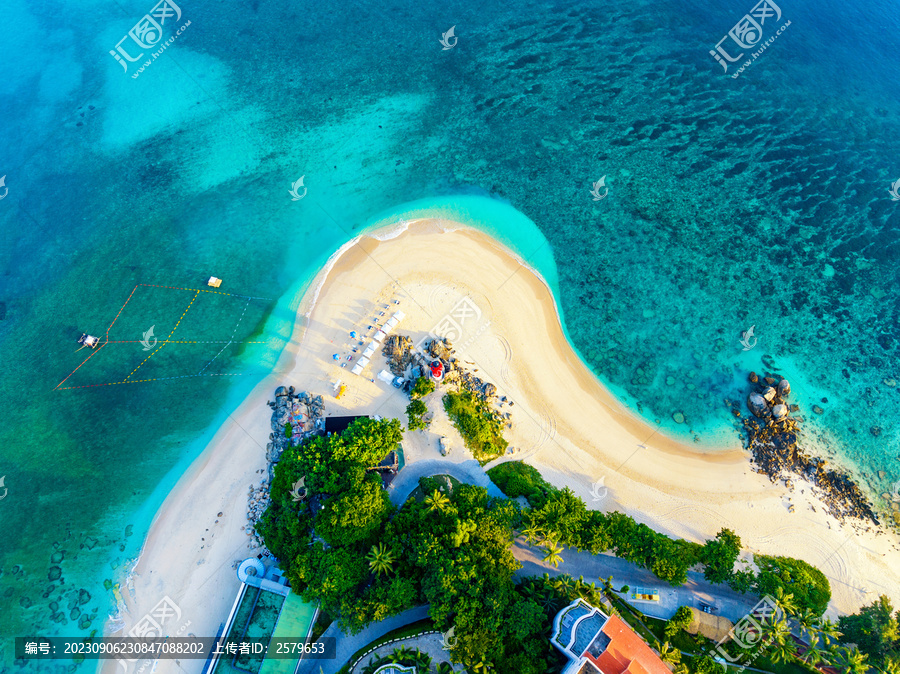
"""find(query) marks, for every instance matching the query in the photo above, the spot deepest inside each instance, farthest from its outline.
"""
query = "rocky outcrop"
(400, 354)
(257, 502)
(288, 404)
(758, 405)
(772, 438)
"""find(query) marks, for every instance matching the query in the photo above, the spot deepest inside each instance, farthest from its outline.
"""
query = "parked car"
(706, 608)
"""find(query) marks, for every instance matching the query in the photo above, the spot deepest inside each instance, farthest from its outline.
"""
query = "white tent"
(363, 361)
(357, 369)
(370, 350)
(391, 324)
(386, 377)
(399, 316)
(379, 336)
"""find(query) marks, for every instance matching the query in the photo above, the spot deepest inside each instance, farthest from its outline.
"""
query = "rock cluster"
(401, 354)
(285, 400)
(772, 438)
(257, 502)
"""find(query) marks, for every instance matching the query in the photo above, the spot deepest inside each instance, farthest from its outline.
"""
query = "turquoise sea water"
(758, 201)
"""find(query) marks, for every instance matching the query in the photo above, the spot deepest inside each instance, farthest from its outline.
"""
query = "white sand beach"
(563, 422)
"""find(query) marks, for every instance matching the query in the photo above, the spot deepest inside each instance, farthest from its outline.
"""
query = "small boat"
(88, 340)
(214, 282)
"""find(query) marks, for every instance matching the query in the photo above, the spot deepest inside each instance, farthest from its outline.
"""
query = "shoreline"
(565, 422)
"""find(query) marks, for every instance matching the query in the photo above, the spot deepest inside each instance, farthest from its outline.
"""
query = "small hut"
(214, 282)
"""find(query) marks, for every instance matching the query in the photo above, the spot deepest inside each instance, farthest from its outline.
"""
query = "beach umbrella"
(336, 357)
(353, 334)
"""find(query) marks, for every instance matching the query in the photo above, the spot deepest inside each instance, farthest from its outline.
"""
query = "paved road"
(347, 645)
(729, 603)
(467, 471)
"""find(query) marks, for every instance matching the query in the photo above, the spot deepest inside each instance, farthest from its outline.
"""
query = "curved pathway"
(467, 471)
(348, 644)
(430, 644)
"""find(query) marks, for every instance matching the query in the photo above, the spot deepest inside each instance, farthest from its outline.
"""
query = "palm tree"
(851, 660)
(482, 668)
(444, 668)
(380, 559)
(813, 654)
(553, 550)
(564, 584)
(402, 653)
(890, 667)
(423, 661)
(830, 630)
(784, 651)
(437, 501)
(785, 601)
(532, 533)
(808, 619)
(667, 653)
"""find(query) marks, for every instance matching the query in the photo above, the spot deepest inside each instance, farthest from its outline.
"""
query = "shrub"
(415, 412)
(422, 387)
(288, 429)
(515, 479)
(476, 423)
(680, 621)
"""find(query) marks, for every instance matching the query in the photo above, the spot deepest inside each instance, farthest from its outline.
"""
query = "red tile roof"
(627, 653)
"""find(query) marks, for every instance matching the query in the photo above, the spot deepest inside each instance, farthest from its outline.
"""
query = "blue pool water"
(760, 200)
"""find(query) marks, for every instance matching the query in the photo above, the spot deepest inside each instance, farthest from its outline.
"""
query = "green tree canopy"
(874, 629)
(809, 586)
(719, 556)
(415, 412)
(356, 515)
